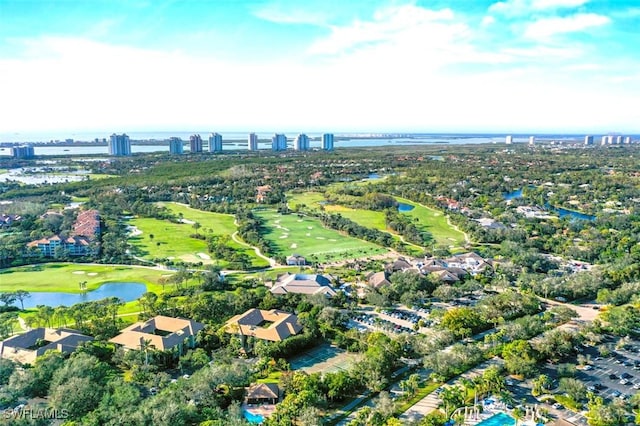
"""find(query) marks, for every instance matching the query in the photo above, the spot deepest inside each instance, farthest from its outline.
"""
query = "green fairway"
(306, 236)
(435, 222)
(313, 201)
(430, 220)
(173, 240)
(65, 277)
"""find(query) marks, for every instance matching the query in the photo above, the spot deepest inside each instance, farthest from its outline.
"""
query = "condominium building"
(627, 139)
(588, 140)
(195, 144)
(532, 140)
(175, 145)
(301, 142)
(22, 151)
(619, 140)
(603, 141)
(279, 142)
(215, 142)
(119, 145)
(327, 141)
(509, 140)
(252, 142)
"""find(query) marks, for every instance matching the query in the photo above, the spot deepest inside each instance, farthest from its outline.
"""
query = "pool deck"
(264, 410)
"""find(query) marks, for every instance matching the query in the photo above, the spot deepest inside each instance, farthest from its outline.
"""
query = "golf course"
(158, 239)
(427, 219)
(306, 236)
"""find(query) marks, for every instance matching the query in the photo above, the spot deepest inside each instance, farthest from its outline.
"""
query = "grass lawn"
(306, 236)
(435, 222)
(64, 277)
(422, 391)
(271, 378)
(173, 241)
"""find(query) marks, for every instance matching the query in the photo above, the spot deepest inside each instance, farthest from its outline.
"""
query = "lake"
(127, 291)
(402, 207)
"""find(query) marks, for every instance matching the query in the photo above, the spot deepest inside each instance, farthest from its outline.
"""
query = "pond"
(373, 176)
(126, 291)
(513, 194)
(402, 207)
(571, 213)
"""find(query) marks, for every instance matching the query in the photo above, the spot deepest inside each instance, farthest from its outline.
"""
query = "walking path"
(272, 262)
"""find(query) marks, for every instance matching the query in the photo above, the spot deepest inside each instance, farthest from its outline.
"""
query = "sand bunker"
(332, 239)
(78, 272)
(320, 238)
(284, 236)
(307, 234)
(294, 245)
(204, 256)
(92, 274)
(309, 227)
(299, 220)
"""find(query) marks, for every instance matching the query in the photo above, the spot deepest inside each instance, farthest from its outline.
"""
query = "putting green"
(306, 236)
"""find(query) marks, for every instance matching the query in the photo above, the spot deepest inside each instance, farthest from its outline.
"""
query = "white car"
(557, 406)
(588, 367)
(623, 381)
(636, 386)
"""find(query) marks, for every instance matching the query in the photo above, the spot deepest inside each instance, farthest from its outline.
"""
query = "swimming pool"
(500, 419)
(253, 418)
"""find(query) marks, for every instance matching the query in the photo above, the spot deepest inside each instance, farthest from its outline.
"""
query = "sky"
(565, 66)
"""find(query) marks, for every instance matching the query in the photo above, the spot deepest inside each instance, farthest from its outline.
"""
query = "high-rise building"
(509, 140)
(252, 142)
(195, 144)
(327, 141)
(532, 140)
(588, 140)
(301, 142)
(119, 144)
(22, 151)
(279, 142)
(215, 142)
(611, 140)
(627, 139)
(176, 146)
(603, 141)
(619, 140)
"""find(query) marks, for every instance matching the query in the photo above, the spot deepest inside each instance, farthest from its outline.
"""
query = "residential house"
(296, 260)
(378, 279)
(262, 393)
(303, 284)
(86, 230)
(273, 325)
(25, 348)
(400, 265)
(56, 245)
(160, 332)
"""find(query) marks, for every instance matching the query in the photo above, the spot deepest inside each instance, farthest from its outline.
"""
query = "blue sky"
(314, 65)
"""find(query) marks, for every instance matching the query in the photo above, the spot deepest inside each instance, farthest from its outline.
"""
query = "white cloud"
(512, 8)
(547, 27)
(488, 20)
(391, 25)
(274, 13)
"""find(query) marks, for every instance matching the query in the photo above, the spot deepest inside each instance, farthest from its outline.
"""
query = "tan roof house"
(303, 284)
(378, 279)
(273, 325)
(262, 393)
(163, 333)
(25, 348)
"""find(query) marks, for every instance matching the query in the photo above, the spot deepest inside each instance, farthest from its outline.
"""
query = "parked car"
(557, 406)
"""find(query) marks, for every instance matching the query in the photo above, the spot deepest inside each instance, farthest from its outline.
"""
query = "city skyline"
(512, 66)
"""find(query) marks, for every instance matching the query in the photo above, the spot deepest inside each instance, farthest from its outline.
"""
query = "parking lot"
(612, 377)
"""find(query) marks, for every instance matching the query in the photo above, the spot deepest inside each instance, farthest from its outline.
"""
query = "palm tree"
(517, 414)
(145, 345)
